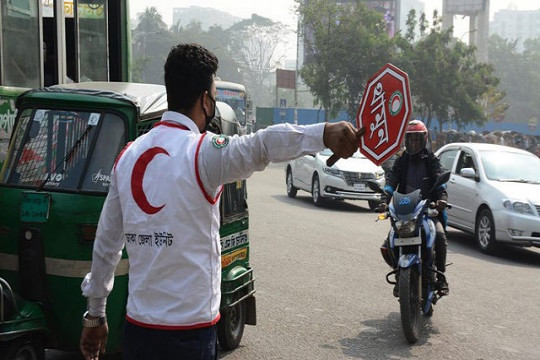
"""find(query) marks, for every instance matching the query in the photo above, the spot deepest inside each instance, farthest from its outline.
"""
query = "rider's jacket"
(418, 171)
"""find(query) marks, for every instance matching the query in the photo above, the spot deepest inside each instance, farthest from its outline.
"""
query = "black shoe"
(442, 287)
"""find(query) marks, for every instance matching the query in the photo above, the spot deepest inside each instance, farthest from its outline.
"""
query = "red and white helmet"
(415, 137)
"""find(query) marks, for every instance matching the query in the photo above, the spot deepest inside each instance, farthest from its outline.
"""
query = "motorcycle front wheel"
(409, 302)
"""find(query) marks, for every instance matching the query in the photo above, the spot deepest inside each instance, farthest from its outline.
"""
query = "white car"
(494, 191)
(346, 179)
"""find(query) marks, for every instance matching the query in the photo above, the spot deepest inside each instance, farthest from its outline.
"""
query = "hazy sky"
(283, 10)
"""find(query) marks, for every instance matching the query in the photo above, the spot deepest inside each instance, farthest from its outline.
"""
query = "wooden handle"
(334, 158)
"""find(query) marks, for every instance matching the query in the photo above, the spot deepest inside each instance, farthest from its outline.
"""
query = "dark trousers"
(440, 246)
(141, 343)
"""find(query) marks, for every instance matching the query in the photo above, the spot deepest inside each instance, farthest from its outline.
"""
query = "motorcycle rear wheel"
(409, 302)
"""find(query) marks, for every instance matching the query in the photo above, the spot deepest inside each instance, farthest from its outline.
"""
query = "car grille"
(354, 178)
(537, 209)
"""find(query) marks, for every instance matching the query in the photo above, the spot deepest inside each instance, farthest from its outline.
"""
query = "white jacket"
(163, 204)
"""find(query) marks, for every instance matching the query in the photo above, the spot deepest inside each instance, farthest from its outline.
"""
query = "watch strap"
(90, 323)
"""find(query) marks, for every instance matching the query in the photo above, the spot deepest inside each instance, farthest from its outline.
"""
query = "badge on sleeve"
(220, 141)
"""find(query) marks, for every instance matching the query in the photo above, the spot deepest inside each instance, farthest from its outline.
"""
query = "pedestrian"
(174, 291)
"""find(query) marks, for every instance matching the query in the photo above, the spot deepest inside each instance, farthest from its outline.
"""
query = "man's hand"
(441, 205)
(383, 207)
(342, 139)
(93, 341)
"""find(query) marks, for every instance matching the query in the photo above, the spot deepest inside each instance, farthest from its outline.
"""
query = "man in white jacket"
(174, 289)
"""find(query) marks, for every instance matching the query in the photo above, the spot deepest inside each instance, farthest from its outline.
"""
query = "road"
(322, 294)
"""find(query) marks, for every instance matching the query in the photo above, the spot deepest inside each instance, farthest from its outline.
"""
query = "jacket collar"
(176, 117)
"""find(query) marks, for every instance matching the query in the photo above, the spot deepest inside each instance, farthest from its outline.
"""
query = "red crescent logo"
(137, 180)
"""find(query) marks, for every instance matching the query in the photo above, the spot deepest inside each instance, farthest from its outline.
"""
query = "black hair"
(189, 71)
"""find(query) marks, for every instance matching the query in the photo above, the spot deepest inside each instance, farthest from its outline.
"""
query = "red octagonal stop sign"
(384, 113)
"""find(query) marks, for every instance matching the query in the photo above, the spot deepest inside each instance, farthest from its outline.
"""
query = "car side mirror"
(469, 173)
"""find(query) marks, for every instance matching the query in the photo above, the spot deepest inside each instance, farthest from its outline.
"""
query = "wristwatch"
(90, 323)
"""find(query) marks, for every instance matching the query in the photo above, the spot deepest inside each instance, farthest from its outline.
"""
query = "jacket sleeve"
(436, 171)
(392, 178)
(240, 156)
(108, 246)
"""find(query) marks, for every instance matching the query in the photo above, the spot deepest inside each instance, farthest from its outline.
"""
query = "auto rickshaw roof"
(150, 99)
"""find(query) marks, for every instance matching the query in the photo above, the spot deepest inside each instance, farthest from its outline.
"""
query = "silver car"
(494, 191)
(346, 179)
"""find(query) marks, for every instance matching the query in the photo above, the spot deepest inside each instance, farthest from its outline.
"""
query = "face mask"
(211, 116)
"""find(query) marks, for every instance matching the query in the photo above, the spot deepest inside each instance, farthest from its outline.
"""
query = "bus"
(48, 42)
(236, 97)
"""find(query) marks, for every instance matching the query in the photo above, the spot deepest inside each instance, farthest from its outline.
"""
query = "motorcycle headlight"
(405, 228)
(332, 171)
(518, 206)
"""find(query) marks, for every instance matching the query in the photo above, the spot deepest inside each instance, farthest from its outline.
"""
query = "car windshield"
(64, 150)
(511, 166)
(356, 155)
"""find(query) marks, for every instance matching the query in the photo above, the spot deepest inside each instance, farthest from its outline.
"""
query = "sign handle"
(334, 158)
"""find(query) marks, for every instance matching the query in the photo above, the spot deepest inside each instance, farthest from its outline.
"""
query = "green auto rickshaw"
(52, 188)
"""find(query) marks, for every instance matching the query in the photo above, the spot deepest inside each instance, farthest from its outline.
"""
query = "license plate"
(408, 241)
(359, 187)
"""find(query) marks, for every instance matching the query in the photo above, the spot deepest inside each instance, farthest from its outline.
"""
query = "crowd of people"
(530, 143)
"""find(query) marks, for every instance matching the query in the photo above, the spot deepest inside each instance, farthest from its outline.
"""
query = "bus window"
(21, 47)
(235, 96)
(93, 40)
(50, 60)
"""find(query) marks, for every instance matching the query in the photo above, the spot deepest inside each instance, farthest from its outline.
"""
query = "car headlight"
(518, 206)
(332, 171)
(379, 174)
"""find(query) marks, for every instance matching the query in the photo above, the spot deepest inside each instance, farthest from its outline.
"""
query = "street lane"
(321, 292)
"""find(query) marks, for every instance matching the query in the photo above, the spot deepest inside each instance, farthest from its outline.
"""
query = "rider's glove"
(441, 205)
(383, 207)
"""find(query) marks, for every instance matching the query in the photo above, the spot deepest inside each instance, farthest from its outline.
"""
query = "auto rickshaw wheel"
(230, 327)
(24, 349)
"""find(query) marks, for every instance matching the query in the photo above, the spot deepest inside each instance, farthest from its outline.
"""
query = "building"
(516, 25)
(478, 13)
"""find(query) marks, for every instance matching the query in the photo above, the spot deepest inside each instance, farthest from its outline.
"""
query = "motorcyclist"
(418, 168)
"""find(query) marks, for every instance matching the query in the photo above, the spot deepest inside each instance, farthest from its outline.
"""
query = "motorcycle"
(412, 235)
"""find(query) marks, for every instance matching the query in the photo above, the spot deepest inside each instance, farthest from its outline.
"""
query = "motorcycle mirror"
(443, 178)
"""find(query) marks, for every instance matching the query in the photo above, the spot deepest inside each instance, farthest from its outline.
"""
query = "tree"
(217, 40)
(446, 80)
(364, 47)
(346, 44)
(319, 27)
(258, 47)
(151, 21)
(519, 74)
(150, 37)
